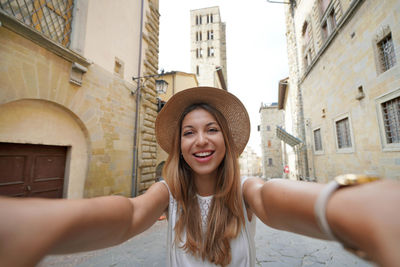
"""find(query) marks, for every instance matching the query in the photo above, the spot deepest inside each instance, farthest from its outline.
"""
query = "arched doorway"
(39, 127)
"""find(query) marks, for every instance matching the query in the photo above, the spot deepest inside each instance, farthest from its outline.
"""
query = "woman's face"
(202, 142)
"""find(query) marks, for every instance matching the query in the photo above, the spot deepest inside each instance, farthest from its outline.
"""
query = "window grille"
(317, 140)
(343, 133)
(391, 120)
(386, 53)
(53, 18)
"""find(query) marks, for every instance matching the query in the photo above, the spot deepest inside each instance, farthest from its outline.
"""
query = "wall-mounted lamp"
(161, 86)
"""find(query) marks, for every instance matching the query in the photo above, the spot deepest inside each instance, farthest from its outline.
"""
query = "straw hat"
(167, 121)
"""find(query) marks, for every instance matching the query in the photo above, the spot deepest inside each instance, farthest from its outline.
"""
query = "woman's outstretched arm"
(38, 227)
(364, 216)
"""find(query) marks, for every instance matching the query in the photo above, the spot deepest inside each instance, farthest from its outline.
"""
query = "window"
(210, 51)
(200, 19)
(197, 20)
(268, 128)
(317, 140)
(306, 33)
(211, 18)
(269, 143)
(344, 138)
(269, 162)
(198, 36)
(387, 57)
(391, 120)
(388, 107)
(210, 35)
(52, 18)
(197, 70)
(328, 24)
(307, 43)
(200, 52)
(308, 58)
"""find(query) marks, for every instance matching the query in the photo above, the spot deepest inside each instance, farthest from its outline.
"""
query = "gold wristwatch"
(322, 200)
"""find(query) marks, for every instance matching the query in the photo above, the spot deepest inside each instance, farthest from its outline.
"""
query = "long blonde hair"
(226, 215)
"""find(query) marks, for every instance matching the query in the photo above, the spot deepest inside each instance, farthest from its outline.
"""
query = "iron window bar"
(53, 18)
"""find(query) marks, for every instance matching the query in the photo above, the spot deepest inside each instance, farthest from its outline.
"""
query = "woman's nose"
(201, 139)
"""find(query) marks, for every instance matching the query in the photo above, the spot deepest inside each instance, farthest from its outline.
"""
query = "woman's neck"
(205, 184)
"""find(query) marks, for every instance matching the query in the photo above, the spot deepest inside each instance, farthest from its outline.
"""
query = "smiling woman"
(210, 207)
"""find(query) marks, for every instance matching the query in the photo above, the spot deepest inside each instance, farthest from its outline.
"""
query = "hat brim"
(167, 121)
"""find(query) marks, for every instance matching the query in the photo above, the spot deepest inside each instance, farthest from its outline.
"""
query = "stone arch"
(36, 121)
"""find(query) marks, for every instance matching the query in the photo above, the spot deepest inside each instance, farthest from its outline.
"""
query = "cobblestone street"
(274, 249)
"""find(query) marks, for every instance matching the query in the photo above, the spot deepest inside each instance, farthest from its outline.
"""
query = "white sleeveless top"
(242, 247)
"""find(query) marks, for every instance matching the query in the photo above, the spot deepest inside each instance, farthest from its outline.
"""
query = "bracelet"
(320, 208)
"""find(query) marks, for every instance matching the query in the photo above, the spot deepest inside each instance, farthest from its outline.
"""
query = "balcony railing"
(53, 18)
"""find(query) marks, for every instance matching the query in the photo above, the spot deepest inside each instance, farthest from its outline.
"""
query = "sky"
(256, 49)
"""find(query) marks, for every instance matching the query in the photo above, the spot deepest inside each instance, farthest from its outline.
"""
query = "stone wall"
(102, 108)
(344, 81)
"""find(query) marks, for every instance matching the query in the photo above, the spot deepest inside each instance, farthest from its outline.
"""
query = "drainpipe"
(138, 96)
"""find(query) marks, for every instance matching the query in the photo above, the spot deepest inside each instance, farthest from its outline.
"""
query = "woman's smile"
(203, 156)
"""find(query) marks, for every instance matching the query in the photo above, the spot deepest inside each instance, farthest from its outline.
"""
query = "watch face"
(353, 179)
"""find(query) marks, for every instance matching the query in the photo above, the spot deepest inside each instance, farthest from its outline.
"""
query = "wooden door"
(32, 170)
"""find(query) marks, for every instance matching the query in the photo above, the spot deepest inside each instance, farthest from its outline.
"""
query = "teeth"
(202, 154)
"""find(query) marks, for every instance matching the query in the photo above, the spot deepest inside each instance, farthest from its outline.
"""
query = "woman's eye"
(187, 133)
(213, 130)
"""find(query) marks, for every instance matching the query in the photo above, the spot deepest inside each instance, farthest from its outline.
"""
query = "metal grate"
(317, 140)
(343, 133)
(53, 18)
(391, 120)
(387, 55)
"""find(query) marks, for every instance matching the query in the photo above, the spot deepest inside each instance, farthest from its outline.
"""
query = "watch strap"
(320, 208)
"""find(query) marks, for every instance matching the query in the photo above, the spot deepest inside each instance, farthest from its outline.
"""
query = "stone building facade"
(345, 75)
(250, 163)
(208, 47)
(67, 90)
(271, 149)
